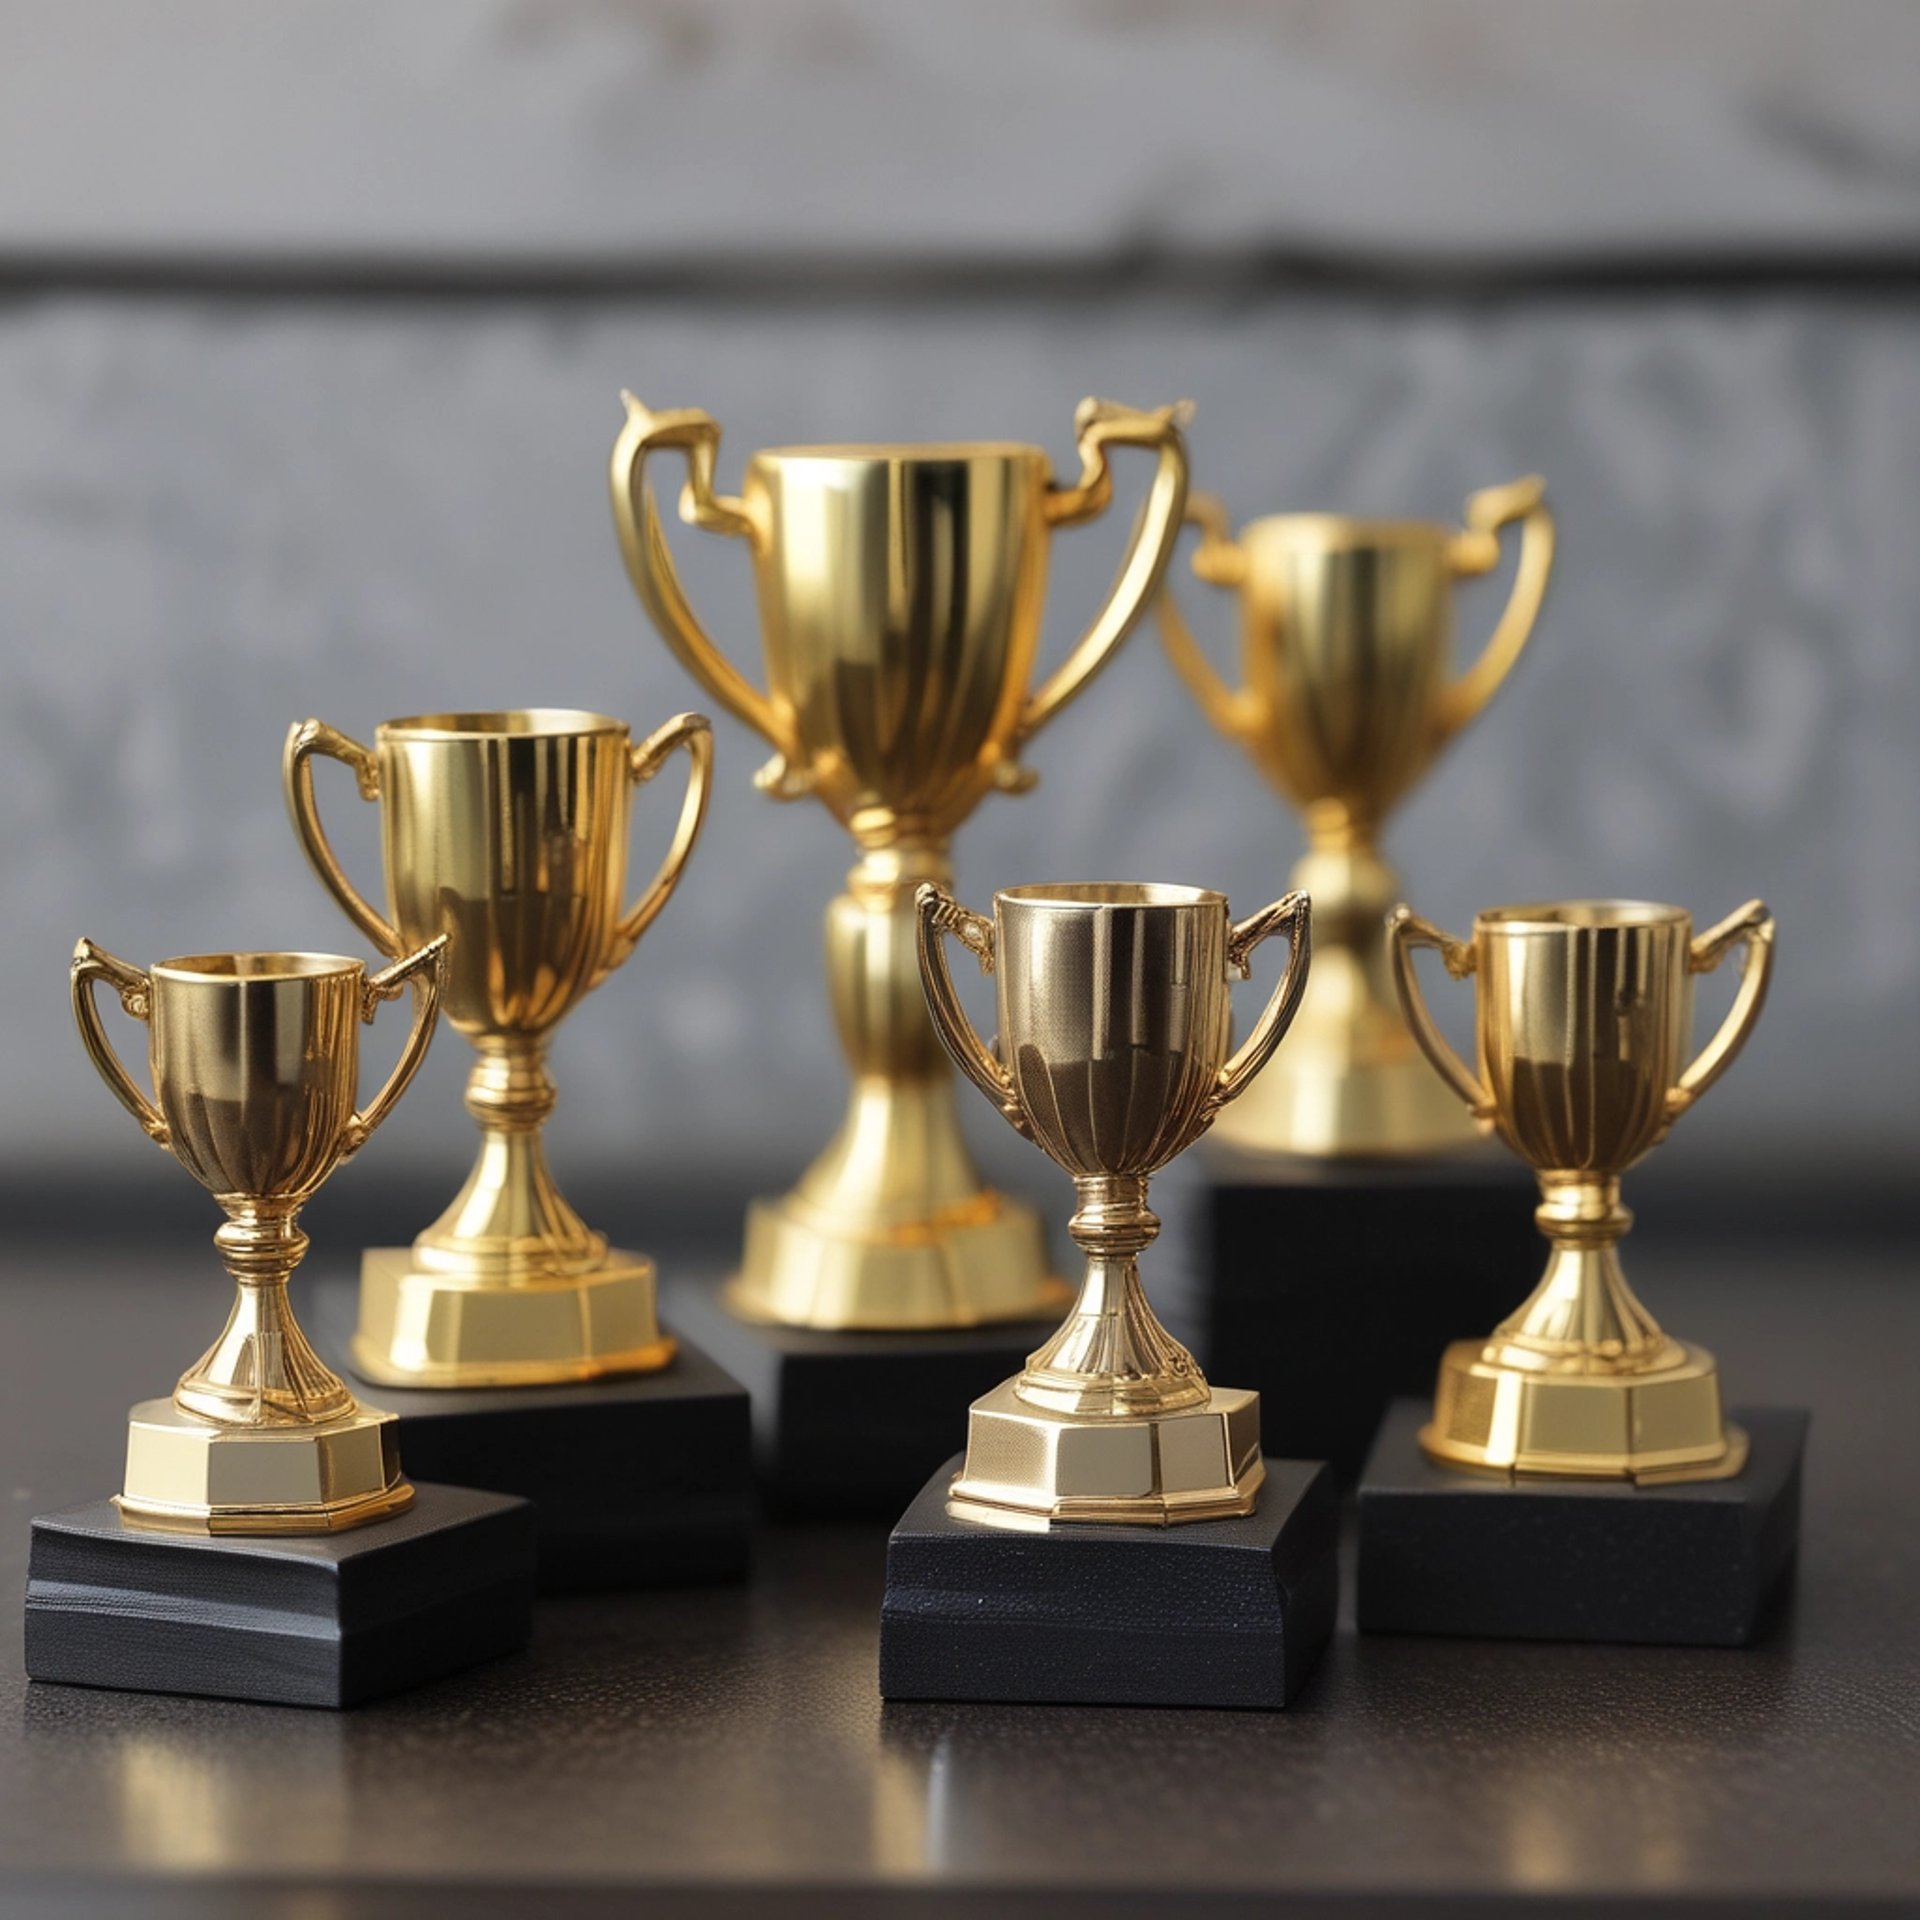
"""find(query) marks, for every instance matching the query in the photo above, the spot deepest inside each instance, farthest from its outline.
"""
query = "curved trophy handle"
(1750, 929)
(1477, 550)
(1293, 913)
(694, 732)
(643, 545)
(1221, 562)
(937, 912)
(304, 740)
(424, 971)
(1098, 425)
(91, 963)
(1406, 931)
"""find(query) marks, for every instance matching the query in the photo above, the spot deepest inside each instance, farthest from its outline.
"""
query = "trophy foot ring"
(1303, 1104)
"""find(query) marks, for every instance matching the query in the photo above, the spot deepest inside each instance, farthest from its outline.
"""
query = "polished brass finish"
(255, 1065)
(1584, 1009)
(900, 592)
(1346, 630)
(1112, 1057)
(508, 832)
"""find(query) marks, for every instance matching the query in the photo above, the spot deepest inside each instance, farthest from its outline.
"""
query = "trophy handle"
(643, 545)
(1221, 562)
(1750, 929)
(1406, 931)
(694, 732)
(1098, 425)
(937, 912)
(1477, 550)
(424, 971)
(304, 740)
(1293, 913)
(91, 963)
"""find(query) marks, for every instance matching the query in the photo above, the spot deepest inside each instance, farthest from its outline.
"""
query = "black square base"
(1689, 1565)
(308, 1620)
(1331, 1286)
(850, 1424)
(1217, 1613)
(638, 1482)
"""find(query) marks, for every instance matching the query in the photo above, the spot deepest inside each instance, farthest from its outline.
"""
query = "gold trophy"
(900, 592)
(1583, 1012)
(1346, 629)
(255, 1060)
(1112, 1057)
(508, 832)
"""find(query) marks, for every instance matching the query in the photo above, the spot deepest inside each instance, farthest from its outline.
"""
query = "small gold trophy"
(1112, 1057)
(255, 1059)
(507, 831)
(1583, 1011)
(900, 592)
(1345, 636)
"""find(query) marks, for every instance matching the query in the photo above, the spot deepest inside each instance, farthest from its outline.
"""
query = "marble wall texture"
(327, 435)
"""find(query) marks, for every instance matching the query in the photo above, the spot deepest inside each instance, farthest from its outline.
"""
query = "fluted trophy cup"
(1347, 696)
(900, 591)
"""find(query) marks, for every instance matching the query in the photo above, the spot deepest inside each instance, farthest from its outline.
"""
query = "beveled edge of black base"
(1689, 1564)
(1213, 1613)
(322, 1620)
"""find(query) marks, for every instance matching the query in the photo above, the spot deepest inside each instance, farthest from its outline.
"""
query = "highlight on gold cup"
(1112, 1056)
(1583, 1017)
(1346, 698)
(507, 832)
(900, 592)
(255, 1063)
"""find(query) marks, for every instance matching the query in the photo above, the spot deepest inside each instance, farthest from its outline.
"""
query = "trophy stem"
(262, 1372)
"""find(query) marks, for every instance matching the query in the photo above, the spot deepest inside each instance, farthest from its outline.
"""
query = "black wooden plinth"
(1331, 1286)
(1690, 1565)
(1218, 1613)
(644, 1481)
(307, 1620)
(851, 1424)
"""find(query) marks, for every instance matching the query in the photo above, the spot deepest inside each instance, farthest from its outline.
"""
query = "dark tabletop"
(727, 1752)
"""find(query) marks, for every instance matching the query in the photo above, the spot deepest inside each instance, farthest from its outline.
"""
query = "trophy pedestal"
(1218, 1613)
(1330, 1286)
(314, 1620)
(1676, 1564)
(644, 1480)
(850, 1424)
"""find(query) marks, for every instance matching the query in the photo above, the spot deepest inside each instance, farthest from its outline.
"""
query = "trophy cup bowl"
(1112, 1057)
(1583, 1015)
(900, 591)
(255, 1063)
(1347, 697)
(507, 832)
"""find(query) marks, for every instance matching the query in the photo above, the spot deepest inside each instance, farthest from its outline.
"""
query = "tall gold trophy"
(1346, 633)
(508, 832)
(900, 592)
(1583, 1015)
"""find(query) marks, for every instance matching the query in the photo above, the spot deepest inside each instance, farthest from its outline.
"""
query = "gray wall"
(311, 335)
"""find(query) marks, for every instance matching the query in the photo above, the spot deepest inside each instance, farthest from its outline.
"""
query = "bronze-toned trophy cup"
(508, 833)
(255, 1060)
(900, 592)
(1346, 632)
(1583, 1012)
(1112, 1057)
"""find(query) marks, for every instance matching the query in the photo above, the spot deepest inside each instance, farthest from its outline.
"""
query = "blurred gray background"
(313, 320)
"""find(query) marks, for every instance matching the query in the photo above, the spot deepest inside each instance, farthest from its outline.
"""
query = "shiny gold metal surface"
(900, 592)
(508, 833)
(255, 1066)
(1347, 696)
(1112, 1058)
(1584, 1010)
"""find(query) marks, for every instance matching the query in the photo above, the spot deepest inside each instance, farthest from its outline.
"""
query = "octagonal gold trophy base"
(422, 1328)
(191, 1475)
